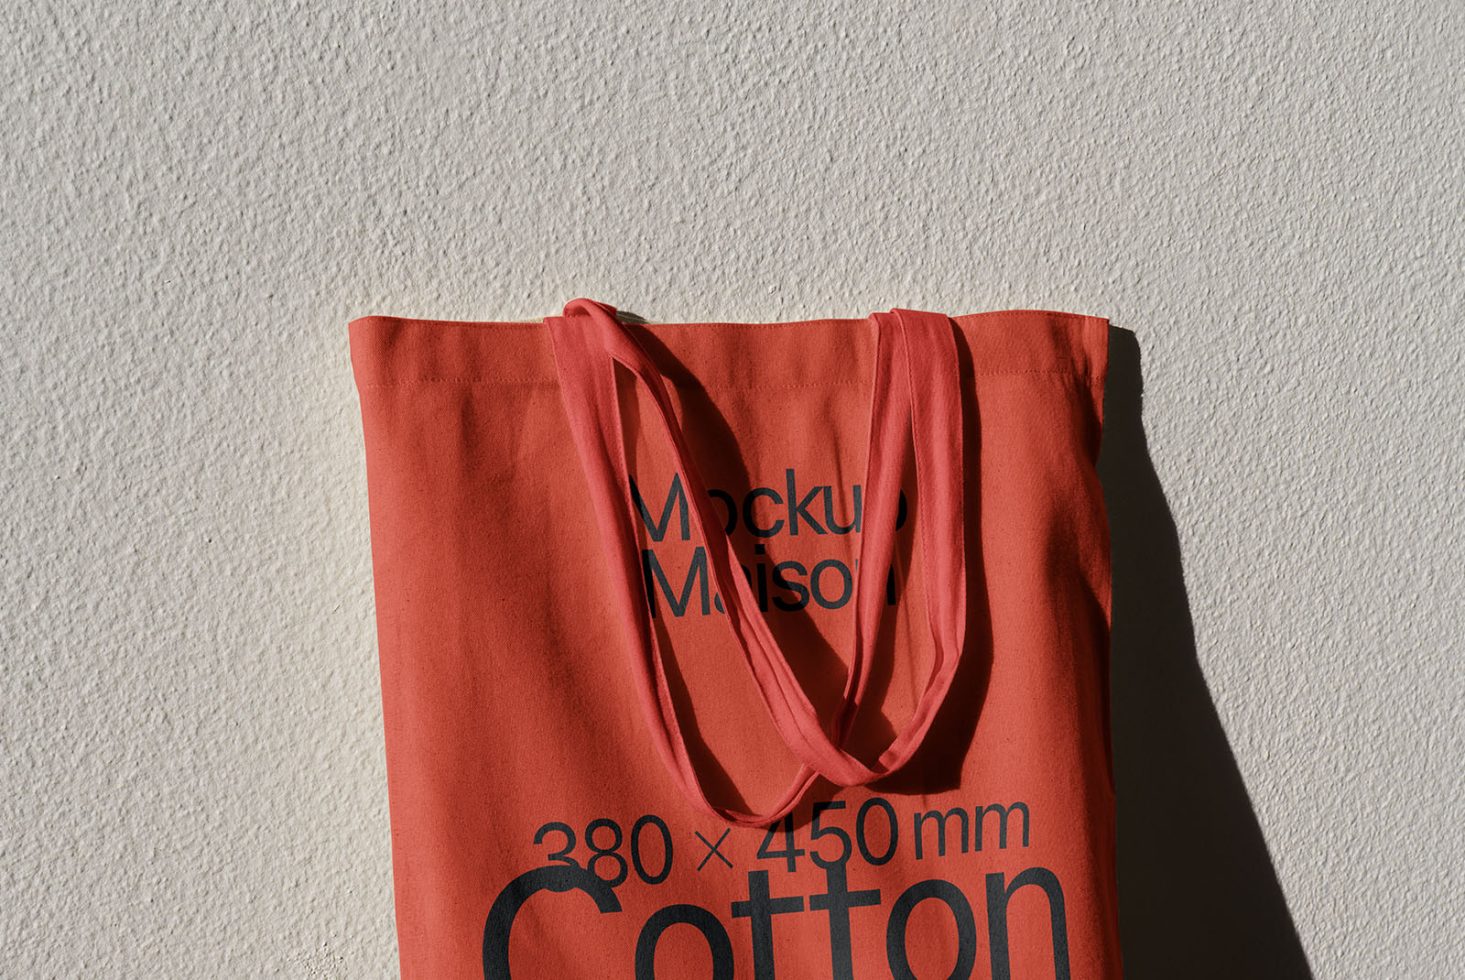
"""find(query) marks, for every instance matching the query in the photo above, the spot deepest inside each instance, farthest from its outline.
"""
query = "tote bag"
(725, 650)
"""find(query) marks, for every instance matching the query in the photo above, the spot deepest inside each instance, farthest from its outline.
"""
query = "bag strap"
(916, 390)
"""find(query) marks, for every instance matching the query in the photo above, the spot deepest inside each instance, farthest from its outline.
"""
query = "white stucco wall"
(196, 198)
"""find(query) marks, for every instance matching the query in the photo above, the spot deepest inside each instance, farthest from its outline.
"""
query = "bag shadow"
(1198, 892)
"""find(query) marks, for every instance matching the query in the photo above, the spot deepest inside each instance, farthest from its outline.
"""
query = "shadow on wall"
(1198, 895)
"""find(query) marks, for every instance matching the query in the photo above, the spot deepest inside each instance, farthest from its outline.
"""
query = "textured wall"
(1266, 198)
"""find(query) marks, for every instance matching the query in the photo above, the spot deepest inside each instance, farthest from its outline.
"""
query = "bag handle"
(916, 389)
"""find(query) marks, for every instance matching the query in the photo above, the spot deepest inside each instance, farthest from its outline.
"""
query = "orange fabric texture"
(649, 714)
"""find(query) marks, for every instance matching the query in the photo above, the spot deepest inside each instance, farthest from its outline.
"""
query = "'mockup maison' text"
(764, 512)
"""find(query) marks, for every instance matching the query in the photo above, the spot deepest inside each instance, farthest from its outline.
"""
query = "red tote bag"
(720, 650)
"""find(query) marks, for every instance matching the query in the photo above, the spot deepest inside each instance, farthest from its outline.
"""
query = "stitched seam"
(551, 383)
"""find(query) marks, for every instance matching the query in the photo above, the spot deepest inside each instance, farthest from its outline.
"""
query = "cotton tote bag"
(725, 650)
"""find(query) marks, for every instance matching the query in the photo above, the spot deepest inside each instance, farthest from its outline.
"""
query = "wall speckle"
(197, 199)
